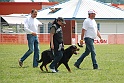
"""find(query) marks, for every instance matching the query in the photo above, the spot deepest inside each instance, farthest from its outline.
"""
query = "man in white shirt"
(89, 33)
(31, 28)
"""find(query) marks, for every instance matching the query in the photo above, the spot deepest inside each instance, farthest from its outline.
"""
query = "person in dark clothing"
(56, 42)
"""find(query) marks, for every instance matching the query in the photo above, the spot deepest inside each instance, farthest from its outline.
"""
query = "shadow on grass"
(45, 72)
(88, 69)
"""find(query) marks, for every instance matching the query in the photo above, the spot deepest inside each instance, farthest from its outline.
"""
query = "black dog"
(47, 57)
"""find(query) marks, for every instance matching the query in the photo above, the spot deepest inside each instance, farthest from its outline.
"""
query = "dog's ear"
(74, 46)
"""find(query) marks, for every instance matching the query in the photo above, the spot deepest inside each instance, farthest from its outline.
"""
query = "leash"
(80, 45)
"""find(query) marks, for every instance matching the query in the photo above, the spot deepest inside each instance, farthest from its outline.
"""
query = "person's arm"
(99, 35)
(51, 37)
(82, 36)
(26, 28)
(84, 28)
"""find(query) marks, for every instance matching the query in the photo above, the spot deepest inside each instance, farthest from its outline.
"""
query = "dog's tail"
(39, 60)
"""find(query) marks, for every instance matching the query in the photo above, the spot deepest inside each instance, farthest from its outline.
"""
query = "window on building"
(98, 26)
(49, 25)
(42, 28)
(53, 10)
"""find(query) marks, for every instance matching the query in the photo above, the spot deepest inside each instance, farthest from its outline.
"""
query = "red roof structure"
(118, 5)
(22, 7)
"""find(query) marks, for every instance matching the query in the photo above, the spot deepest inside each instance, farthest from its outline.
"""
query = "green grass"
(109, 57)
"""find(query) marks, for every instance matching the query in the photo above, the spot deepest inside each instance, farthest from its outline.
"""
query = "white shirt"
(91, 28)
(31, 25)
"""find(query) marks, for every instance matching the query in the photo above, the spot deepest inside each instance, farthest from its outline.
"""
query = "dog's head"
(74, 49)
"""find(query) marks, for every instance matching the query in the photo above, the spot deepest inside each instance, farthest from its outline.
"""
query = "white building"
(110, 19)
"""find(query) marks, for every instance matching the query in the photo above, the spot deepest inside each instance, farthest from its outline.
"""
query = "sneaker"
(20, 63)
(57, 70)
(53, 70)
(95, 66)
(77, 66)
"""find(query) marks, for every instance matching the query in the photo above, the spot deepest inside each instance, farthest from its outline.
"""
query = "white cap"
(91, 11)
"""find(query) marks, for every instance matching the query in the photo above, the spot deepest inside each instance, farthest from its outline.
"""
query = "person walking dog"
(56, 42)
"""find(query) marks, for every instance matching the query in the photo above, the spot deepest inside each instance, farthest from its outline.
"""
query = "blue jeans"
(89, 49)
(57, 58)
(33, 47)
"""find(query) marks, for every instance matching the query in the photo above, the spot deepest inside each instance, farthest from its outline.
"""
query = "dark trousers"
(89, 49)
(58, 55)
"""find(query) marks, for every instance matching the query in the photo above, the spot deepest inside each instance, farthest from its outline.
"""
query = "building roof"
(118, 5)
(15, 18)
(41, 0)
(78, 9)
(20, 1)
(29, 1)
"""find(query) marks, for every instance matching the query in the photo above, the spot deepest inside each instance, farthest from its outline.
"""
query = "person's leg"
(93, 57)
(31, 47)
(93, 54)
(36, 52)
(79, 61)
(58, 56)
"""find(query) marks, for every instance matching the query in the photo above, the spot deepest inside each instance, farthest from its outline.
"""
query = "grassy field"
(109, 57)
